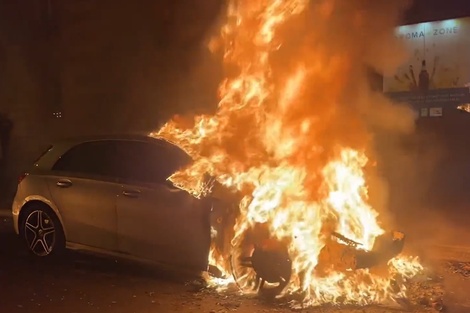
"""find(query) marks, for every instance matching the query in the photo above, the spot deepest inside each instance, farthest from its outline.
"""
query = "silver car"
(110, 195)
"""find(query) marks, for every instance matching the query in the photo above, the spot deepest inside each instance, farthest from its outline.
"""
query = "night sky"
(431, 10)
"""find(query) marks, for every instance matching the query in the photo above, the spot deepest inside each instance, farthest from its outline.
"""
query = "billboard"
(437, 74)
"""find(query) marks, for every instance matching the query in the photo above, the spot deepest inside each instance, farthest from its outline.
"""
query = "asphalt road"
(79, 283)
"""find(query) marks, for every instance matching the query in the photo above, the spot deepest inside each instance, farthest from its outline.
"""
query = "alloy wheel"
(40, 233)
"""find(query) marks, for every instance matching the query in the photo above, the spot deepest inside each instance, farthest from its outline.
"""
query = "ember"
(290, 142)
(464, 107)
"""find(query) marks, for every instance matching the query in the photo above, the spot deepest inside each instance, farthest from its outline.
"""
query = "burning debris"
(269, 258)
(290, 144)
(464, 107)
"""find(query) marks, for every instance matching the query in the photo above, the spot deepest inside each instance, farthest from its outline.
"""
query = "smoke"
(404, 186)
(314, 95)
(332, 48)
(404, 183)
(340, 43)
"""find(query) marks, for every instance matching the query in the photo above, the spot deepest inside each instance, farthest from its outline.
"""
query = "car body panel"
(88, 210)
(163, 224)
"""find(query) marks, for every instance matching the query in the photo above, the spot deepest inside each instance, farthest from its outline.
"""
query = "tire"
(42, 231)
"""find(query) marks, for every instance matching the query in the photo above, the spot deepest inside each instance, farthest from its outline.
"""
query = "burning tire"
(263, 263)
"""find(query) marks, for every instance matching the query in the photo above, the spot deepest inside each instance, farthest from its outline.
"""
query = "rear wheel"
(42, 231)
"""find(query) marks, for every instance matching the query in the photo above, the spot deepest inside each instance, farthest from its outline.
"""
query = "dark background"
(435, 10)
(116, 64)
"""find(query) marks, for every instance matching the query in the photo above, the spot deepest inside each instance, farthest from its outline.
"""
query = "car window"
(148, 162)
(94, 158)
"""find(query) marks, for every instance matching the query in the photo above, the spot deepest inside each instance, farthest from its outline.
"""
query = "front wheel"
(42, 232)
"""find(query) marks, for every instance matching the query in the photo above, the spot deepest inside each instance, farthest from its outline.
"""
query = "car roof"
(63, 145)
(72, 141)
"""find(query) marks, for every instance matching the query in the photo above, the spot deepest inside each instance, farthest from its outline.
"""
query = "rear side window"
(93, 158)
(150, 163)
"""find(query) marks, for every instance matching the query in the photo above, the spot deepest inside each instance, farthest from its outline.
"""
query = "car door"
(156, 220)
(85, 190)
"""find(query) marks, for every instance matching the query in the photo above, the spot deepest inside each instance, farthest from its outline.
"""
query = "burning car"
(288, 153)
(291, 139)
(267, 260)
(105, 195)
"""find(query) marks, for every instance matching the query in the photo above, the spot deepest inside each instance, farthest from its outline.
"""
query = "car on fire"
(110, 195)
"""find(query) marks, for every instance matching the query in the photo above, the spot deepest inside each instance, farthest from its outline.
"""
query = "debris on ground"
(460, 268)
(425, 294)
(426, 290)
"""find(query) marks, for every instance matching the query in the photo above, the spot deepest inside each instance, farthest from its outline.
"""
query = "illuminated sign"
(437, 71)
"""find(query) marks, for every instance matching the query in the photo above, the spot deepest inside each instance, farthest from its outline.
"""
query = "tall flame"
(298, 174)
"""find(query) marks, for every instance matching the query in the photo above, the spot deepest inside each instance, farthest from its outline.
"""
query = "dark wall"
(108, 66)
(26, 83)
(124, 64)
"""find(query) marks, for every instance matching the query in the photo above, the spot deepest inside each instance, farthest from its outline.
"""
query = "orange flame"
(294, 169)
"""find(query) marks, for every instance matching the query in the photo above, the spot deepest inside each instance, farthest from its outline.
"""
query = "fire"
(298, 174)
(464, 107)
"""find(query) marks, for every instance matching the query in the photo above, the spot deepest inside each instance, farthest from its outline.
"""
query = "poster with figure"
(437, 73)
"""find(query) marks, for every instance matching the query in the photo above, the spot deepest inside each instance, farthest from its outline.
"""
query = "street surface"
(79, 283)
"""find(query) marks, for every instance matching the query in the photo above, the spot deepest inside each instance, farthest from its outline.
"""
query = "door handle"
(64, 183)
(131, 193)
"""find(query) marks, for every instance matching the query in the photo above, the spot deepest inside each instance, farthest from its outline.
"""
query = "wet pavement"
(81, 283)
